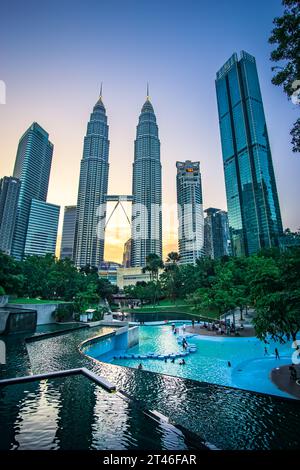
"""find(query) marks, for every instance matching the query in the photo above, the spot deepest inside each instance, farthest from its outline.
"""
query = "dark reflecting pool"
(74, 413)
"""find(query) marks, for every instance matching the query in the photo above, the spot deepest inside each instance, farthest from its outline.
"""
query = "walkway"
(281, 377)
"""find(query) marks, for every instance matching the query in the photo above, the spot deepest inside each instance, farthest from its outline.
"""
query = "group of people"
(276, 352)
(221, 328)
(181, 363)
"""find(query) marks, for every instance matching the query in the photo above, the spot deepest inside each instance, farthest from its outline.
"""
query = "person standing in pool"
(277, 354)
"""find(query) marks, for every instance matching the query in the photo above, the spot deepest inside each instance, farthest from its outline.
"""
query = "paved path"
(281, 378)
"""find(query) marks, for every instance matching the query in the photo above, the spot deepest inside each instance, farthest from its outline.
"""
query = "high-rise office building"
(127, 254)
(146, 223)
(252, 199)
(216, 233)
(32, 167)
(68, 233)
(93, 181)
(42, 228)
(190, 212)
(9, 193)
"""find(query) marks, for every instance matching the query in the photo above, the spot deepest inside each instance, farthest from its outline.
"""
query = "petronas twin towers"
(146, 219)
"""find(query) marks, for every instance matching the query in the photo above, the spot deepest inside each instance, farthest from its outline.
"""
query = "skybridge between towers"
(118, 199)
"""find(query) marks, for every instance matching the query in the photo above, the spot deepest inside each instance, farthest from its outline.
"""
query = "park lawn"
(35, 301)
(181, 306)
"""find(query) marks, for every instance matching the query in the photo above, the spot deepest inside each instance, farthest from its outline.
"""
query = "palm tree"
(154, 263)
(173, 257)
(171, 274)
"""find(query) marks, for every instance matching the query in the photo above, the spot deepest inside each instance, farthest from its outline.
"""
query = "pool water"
(250, 367)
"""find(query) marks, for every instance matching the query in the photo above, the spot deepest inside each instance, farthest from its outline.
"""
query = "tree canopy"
(286, 37)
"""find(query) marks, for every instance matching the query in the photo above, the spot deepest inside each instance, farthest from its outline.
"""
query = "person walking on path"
(277, 354)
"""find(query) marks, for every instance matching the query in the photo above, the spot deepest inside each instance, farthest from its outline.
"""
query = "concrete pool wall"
(123, 338)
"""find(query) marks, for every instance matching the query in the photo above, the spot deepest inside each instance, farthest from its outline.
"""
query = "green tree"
(36, 271)
(64, 280)
(153, 264)
(173, 257)
(236, 282)
(275, 289)
(170, 278)
(211, 298)
(87, 299)
(106, 289)
(11, 278)
(286, 36)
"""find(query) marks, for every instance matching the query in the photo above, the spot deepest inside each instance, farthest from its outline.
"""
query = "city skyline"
(61, 103)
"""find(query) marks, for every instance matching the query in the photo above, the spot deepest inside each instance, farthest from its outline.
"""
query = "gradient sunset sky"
(54, 55)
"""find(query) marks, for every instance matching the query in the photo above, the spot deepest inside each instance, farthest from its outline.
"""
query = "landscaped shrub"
(64, 312)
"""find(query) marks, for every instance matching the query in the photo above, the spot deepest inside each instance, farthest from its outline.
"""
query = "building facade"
(127, 254)
(9, 194)
(108, 271)
(252, 199)
(32, 167)
(130, 276)
(146, 221)
(190, 212)
(216, 233)
(68, 233)
(42, 228)
(93, 181)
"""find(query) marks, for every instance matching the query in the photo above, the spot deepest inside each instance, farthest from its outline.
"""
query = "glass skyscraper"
(32, 167)
(252, 199)
(68, 233)
(146, 189)
(93, 181)
(42, 228)
(216, 233)
(9, 194)
(190, 212)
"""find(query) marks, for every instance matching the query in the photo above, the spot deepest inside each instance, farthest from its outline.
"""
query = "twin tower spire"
(146, 219)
